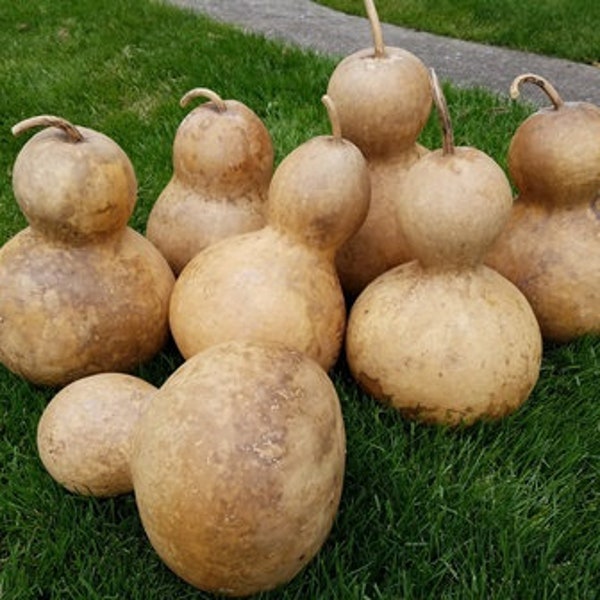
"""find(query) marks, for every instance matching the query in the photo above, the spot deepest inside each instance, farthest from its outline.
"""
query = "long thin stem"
(442, 108)
(375, 28)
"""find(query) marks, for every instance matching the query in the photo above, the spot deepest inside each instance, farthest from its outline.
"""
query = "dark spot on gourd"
(595, 206)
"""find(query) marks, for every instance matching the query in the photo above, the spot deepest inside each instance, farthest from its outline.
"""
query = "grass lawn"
(503, 510)
(565, 28)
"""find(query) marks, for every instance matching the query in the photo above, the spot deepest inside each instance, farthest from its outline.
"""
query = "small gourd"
(82, 293)
(445, 339)
(238, 466)
(84, 434)
(222, 166)
(382, 96)
(550, 248)
(279, 283)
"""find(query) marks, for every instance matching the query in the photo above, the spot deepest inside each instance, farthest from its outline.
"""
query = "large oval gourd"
(238, 466)
(82, 293)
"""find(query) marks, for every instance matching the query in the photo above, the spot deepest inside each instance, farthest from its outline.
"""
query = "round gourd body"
(70, 311)
(320, 194)
(84, 434)
(383, 102)
(222, 166)
(444, 346)
(261, 286)
(554, 155)
(74, 191)
(183, 221)
(238, 466)
(552, 254)
(454, 205)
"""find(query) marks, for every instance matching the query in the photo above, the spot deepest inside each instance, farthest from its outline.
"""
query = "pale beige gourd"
(84, 434)
(82, 293)
(443, 338)
(238, 466)
(280, 283)
(550, 248)
(222, 166)
(383, 99)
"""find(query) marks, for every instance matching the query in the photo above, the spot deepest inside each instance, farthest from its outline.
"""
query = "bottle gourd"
(222, 166)
(82, 293)
(550, 248)
(445, 339)
(383, 100)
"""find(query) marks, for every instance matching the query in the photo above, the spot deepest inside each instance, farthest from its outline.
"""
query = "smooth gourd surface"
(84, 434)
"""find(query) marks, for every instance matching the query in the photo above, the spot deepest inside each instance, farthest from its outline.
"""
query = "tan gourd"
(280, 283)
(222, 166)
(238, 466)
(82, 293)
(383, 99)
(445, 339)
(84, 434)
(551, 246)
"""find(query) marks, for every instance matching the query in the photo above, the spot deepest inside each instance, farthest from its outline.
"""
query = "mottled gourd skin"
(222, 166)
(82, 293)
(238, 467)
(71, 311)
(550, 248)
(84, 434)
(383, 103)
(445, 339)
(444, 347)
(279, 283)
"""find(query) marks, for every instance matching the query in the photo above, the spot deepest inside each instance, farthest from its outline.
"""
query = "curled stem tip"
(72, 132)
(442, 108)
(544, 84)
(375, 28)
(204, 93)
(334, 119)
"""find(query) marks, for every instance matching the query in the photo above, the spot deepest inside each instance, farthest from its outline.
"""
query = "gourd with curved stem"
(279, 283)
(383, 98)
(443, 338)
(550, 248)
(222, 166)
(81, 292)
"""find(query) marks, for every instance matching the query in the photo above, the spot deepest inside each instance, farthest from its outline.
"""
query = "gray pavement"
(466, 64)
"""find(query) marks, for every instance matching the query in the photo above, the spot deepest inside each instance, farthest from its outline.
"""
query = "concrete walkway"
(309, 25)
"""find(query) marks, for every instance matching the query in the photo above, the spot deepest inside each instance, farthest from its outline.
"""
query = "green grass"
(504, 510)
(564, 28)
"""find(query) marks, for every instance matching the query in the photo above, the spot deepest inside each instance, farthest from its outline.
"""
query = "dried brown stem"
(375, 28)
(546, 86)
(48, 121)
(334, 119)
(204, 93)
(442, 109)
